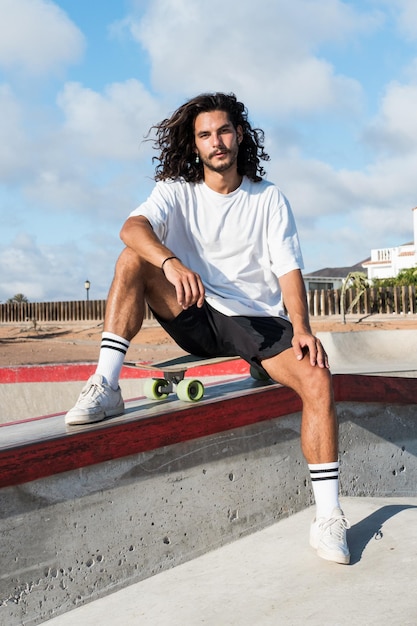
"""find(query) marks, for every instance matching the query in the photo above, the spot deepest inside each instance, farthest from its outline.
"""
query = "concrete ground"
(274, 578)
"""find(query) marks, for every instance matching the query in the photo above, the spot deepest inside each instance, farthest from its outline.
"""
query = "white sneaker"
(328, 537)
(96, 401)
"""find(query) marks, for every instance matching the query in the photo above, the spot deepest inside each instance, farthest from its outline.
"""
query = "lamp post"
(87, 287)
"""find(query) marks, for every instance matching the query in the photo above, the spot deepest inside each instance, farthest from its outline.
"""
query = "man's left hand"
(307, 342)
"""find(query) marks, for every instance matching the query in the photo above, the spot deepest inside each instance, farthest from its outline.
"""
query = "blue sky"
(332, 83)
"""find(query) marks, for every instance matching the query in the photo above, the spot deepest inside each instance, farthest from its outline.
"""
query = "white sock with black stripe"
(112, 355)
(325, 483)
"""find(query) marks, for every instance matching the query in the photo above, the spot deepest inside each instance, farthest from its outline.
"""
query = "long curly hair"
(176, 145)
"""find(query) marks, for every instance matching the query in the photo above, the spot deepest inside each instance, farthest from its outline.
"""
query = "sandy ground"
(22, 344)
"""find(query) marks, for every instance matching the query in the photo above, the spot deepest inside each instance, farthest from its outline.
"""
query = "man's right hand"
(188, 285)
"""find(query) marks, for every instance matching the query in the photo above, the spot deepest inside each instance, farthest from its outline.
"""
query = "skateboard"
(173, 377)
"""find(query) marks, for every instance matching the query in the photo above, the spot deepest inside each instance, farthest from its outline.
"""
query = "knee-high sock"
(112, 354)
(325, 483)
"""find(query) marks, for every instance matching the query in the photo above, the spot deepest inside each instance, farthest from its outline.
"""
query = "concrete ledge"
(43, 447)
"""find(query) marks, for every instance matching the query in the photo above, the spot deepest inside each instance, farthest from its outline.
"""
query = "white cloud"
(94, 162)
(37, 36)
(266, 54)
(23, 267)
(99, 196)
(112, 124)
(407, 18)
(42, 271)
(14, 153)
(395, 128)
(87, 162)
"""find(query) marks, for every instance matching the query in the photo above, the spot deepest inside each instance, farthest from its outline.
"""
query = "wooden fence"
(381, 300)
(72, 311)
(387, 300)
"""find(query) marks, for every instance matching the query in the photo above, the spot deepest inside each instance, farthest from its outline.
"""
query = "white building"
(388, 262)
(330, 277)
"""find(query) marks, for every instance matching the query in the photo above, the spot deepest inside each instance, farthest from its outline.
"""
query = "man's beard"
(225, 165)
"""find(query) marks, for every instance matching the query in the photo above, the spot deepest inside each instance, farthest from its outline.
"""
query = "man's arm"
(138, 234)
(294, 295)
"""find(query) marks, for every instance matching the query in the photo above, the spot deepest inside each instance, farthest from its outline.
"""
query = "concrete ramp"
(272, 577)
(373, 352)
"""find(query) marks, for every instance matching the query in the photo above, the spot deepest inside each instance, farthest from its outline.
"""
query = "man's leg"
(134, 281)
(319, 444)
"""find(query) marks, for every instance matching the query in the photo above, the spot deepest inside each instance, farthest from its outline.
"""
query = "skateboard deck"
(173, 376)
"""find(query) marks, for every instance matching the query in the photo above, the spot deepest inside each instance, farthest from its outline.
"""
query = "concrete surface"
(77, 536)
(377, 351)
(273, 577)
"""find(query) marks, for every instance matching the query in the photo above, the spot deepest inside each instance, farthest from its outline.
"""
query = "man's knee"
(133, 269)
(317, 385)
(128, 261)
(285, 368)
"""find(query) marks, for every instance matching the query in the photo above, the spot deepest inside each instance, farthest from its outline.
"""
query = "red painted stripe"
(57, 373)
(46, 373)
(71, 450)
(385, 389)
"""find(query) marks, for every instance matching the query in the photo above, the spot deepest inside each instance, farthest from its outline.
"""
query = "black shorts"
(206, 332)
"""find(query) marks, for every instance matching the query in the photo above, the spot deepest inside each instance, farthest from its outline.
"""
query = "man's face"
(217, 140)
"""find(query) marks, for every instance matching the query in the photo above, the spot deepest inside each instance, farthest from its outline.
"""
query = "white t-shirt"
(239, 243)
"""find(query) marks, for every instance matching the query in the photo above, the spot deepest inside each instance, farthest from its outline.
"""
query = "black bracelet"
(169, 258)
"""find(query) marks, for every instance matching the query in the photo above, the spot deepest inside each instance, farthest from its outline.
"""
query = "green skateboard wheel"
(154, 388)
(190, 390)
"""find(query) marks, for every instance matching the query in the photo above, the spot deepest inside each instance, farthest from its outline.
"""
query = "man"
(214, 251)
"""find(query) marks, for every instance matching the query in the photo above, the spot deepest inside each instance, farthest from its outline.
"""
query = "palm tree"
(358, 281)
(407, 277)
(18, 298)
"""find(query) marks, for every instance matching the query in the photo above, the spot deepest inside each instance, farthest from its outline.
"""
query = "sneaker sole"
(92, 419)
(336, 558)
